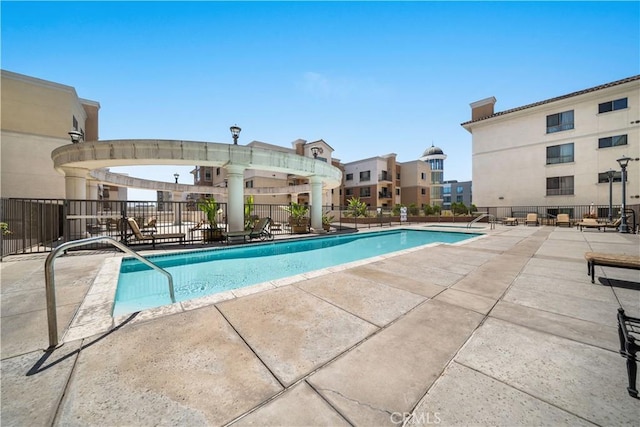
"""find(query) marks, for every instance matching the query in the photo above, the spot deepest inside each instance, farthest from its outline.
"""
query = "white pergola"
(83, 161)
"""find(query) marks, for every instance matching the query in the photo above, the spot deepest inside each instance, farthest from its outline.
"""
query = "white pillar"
(235, 206)
(75, 184)
(176, 198)
(316, 204)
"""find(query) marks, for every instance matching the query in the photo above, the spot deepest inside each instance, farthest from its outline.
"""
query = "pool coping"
(94, 316)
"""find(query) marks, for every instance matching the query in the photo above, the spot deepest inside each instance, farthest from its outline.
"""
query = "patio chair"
(260, 231)
(563, 220)
(198, 227)
(589, 223)
(615, 224)
(139, 237)
(532, 219)
(510, 221)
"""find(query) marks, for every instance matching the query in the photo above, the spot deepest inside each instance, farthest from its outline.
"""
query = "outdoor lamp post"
(315, 151)
(611, 174)
(176, 176)
(235, 131)
(623, 162)
(76, 136)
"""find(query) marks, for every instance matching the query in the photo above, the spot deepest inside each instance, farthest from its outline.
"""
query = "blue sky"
(370, 78)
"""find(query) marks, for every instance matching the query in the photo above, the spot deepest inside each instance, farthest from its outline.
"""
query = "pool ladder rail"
(52, 315)
(492, 220)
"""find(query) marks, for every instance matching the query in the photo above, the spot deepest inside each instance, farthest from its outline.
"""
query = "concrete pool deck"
(503, 330)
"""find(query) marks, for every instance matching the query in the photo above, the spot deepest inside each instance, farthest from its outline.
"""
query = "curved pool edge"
(95, 317)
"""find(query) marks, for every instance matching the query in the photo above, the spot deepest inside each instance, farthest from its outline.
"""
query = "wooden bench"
(610, 260)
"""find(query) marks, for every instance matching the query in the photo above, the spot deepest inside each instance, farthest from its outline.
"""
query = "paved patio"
(504, 330)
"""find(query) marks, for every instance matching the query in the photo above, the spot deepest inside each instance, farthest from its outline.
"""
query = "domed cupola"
(432, 150)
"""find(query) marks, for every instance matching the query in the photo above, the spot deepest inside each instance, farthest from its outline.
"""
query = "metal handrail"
(52, 316)
(481, 216)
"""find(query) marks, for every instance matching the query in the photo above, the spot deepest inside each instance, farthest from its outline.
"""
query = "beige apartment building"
(375, 180)
(416, 183)
(557, 152)
(37, 116)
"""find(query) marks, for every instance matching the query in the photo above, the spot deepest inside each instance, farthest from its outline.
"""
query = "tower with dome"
(435, 157)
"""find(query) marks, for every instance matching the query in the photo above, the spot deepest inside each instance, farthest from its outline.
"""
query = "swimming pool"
(200, 273)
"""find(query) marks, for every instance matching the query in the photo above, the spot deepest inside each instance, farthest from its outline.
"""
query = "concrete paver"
(487, 402)
(391, 371)
(374, 302)
(298, 406)
(190, 370)
(292, 331)
(594, 385)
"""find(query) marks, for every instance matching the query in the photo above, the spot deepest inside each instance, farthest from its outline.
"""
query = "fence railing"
(40, 225)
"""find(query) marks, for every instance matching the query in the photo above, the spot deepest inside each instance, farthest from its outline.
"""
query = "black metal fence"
(39, 225)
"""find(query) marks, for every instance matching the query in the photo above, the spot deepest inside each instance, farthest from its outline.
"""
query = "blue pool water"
(201, 273)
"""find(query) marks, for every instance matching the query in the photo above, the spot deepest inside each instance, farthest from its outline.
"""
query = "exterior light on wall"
(235, 131)
(76, 136)
(315, 151)
(624, 162)
(176, 176)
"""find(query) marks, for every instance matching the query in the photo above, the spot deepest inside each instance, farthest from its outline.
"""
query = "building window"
(559, 122)
(604, 177)
(446, 190)
(459, 189)
(459, 199)
(560, 186)
(248, 184)
(398, 175)
(207, 174)
(365, 192)
(612, 141)
(349, 177)
(618, 104)
(75, 123)
(348, 191)
(217, 171)
(423, 176)
(423, 191)
(365, 176)
(437, 177)
(560, 154)
(397, 191)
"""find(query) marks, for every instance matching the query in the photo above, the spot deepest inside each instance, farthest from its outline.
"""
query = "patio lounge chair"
(532, 219)
(260, 231)
(563, 220)
(615, 224)
(589, 223)
(139, 237)
(510, 221)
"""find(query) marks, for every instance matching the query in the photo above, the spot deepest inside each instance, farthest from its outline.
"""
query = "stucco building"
(557, 152)
(37, 116)
(375, 180)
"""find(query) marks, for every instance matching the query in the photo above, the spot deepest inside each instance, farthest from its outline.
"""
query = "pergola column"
(316, 203)
(75, 184)
(235, 206)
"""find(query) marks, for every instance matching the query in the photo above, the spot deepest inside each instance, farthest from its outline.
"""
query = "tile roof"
(547, 101)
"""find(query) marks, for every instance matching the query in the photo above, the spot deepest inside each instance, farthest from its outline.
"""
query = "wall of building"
(415, 181)
(510, 150)
(36, 118)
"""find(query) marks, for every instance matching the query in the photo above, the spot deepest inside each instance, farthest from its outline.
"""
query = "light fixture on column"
(235, 131)
(315, 151)
(624, 162)
(76, 136)
(176, 176)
